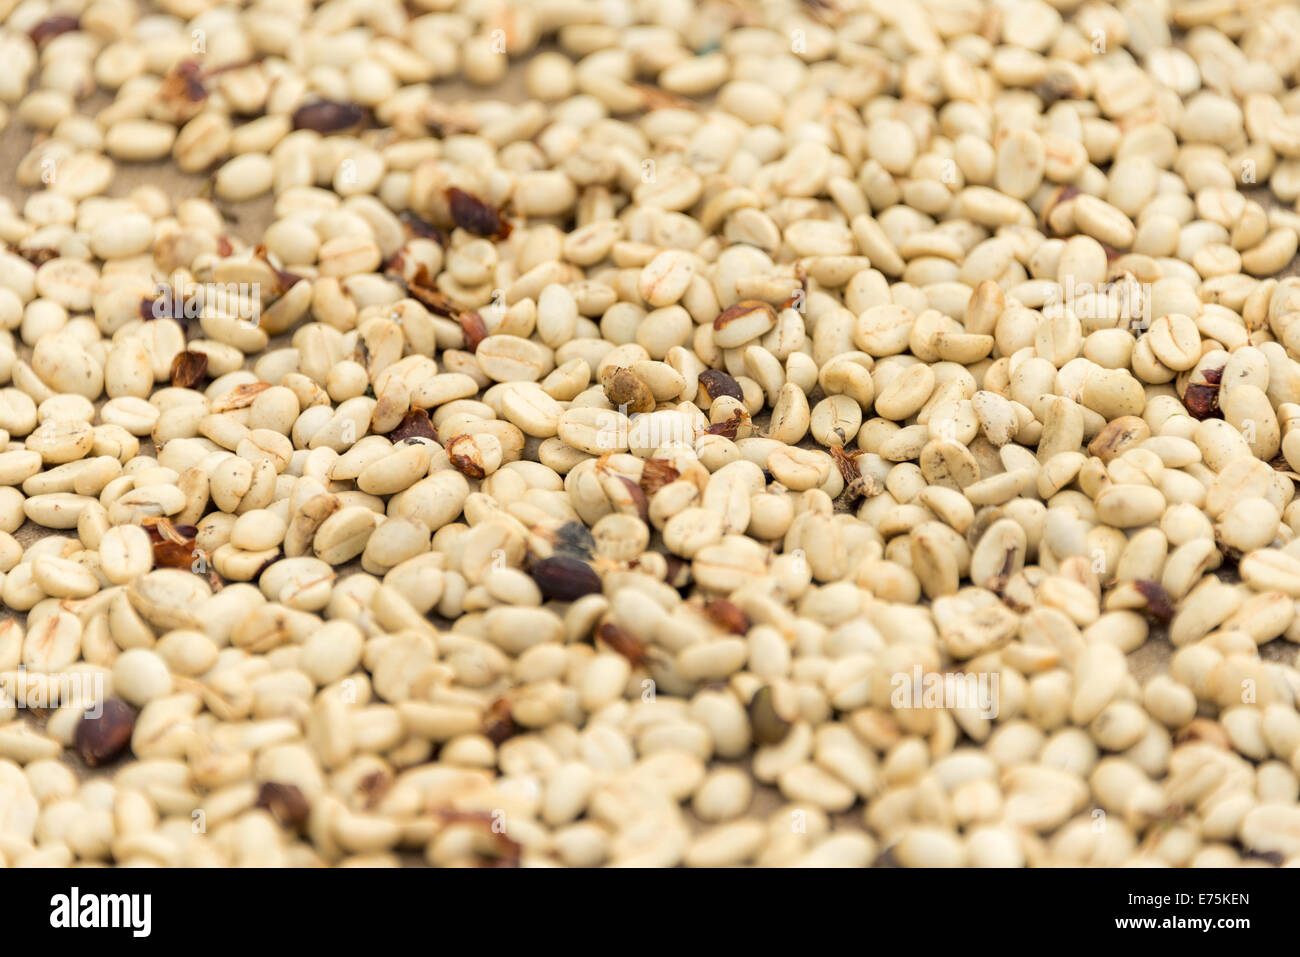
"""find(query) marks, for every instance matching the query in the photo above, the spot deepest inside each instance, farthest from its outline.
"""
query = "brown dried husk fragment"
(183, 92)
(728, 428)
(420, 228)
(476, 215)
(1159, 603)
(285, 802)
(40, 255)
(1279, 464)
(51, 27)
(284, 280)
(498, 722)
(173, 545)
(174, 555)
(462, 462)
(1202, 401)
(679, 572)
(823, 11)
(189, 369)
(999, 584)
(847, 463)
(657, 98)
(328, 116)
(727, 615)
(422, 289)
(623, 642)
(374, 786)
(563, 577)
(473, 329)
(655, 474)
(414, 425)
(161, 529)
(638, 498)
(508, 850)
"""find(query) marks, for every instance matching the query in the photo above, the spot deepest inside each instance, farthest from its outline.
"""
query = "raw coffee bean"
(717, 383)
(562, 578)
(769, 726)
(626, 392)
(49, 28)
(188, 369)
(286, 804)
(104, 734)
(745, 321)
(328, 116)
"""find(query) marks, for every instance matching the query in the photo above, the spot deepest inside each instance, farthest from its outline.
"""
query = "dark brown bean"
(473, 329)
(717, 383)
(498, 723)
(101, 738)
(328, 116)
(421, 228)
(769, 727)
(623, 642)
(51, 27)
(726, 615)
(655, 474)
(563, 578)
(173, 545)
(183, 91)
(464, 456)
(414, 425)
(729, 428)
(1159, 604)
(285, 802)
(476, 216)
(1202, 401)
(189, 369)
